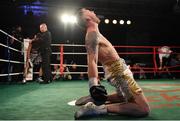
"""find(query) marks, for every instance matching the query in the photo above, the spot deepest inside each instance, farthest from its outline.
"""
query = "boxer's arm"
(92, 57)
(26, 65)
(29, 51)
(35, 40)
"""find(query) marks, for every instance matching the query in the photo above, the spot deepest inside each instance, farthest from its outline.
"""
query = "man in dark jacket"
(45, 50)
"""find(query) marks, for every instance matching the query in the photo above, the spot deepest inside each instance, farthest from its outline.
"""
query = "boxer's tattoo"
(91, 42)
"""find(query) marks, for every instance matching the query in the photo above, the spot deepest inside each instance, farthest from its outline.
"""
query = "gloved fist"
(99, 94)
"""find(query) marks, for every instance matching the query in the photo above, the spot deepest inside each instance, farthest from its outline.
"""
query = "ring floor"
(34, 101)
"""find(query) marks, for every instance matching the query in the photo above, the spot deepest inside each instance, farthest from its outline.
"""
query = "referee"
(45, 50)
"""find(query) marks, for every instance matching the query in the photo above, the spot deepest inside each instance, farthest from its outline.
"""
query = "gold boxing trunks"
(120, 76)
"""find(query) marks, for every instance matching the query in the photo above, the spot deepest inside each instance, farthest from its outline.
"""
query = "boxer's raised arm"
(91, 43)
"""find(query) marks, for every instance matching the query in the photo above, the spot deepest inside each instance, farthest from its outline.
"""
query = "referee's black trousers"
(46, 61)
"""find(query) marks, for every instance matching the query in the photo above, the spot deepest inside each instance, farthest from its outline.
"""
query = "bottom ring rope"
(11, 74)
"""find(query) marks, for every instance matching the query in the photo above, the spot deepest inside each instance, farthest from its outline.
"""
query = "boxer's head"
(85, 16)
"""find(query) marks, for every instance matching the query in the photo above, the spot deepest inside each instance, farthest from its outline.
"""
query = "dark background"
(154, 22)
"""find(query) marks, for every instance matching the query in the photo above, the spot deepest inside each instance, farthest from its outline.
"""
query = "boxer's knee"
(146, 110)
(143, 113)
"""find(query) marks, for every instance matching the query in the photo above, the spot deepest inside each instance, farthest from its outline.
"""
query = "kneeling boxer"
(99, 49)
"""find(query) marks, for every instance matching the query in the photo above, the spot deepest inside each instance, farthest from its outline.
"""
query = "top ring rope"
(10, 36)
(116, 46)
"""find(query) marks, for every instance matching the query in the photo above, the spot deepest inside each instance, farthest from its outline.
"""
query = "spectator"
(164, 60)
(66, 75)
(13, 55)
(140, 73)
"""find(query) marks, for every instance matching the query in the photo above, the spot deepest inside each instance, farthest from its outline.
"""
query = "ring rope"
(11, 74)
(125, 53)
(82, 72)
(173, 66)
(62, 53)
(76, 65)
(11, 61)
(122, 53)
(145, 68)
(70, 53)
(76, 72)
(10, 36)
(156, 72)
(68, 45)
(69, 72)
(135, 72)
(116, 46)
(10, 48)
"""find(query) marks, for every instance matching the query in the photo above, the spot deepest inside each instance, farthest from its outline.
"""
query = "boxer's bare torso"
(106, 52)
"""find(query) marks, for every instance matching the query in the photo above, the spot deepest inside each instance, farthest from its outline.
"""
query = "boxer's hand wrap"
(99, 94)
(93, 81)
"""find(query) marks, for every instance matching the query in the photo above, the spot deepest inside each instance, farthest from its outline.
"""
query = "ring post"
(61, 59)
(154, 60)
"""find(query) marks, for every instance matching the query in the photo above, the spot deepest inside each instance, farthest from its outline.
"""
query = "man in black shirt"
(45, 50)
